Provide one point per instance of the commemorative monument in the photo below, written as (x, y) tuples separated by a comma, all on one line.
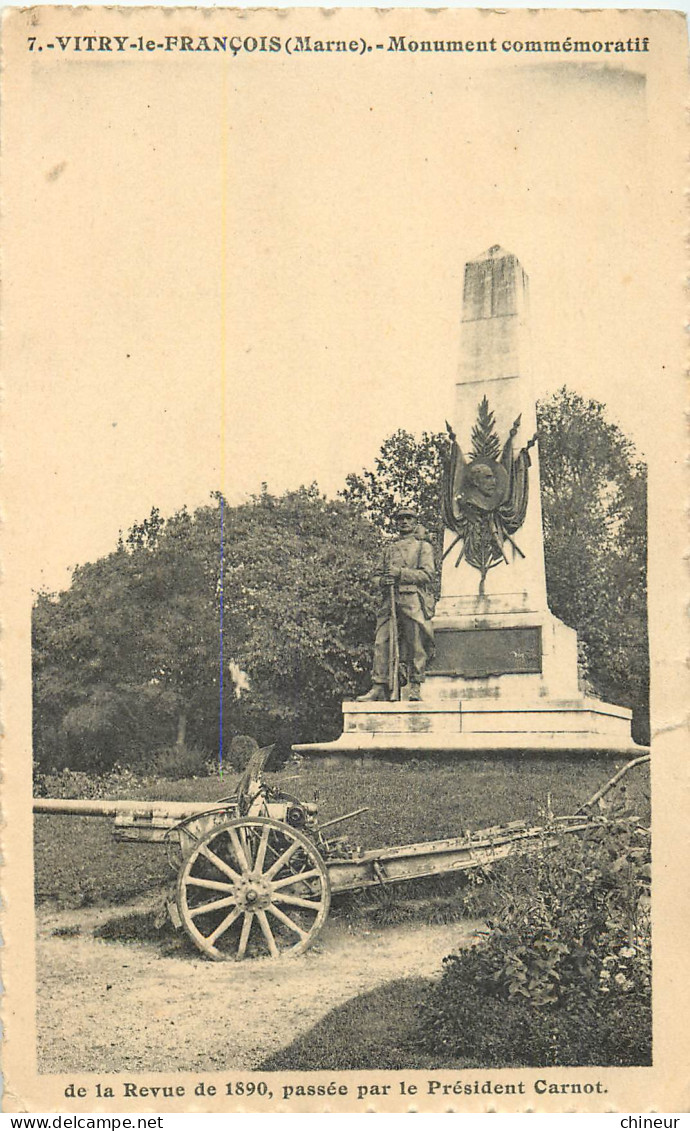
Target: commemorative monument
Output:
[(503, 672)]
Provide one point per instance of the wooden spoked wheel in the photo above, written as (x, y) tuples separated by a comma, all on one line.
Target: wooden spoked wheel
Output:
[(253, 887)]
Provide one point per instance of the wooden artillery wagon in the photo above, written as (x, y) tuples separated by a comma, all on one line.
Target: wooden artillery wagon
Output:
[(256, 870)]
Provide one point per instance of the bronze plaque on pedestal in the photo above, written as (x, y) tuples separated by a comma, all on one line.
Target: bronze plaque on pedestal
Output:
[(477, 652)]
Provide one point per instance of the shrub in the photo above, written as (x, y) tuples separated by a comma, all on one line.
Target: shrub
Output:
[(282, 752), (176, 762), (241, 748), (564, 977), (478, 1026), (119, 781)]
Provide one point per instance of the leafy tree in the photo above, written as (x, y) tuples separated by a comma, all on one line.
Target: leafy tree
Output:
[(300, 567), (127, 660), (407, 470), (594, 498), (121, 658)]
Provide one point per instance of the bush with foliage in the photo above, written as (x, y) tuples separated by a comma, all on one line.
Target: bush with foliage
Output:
[(176, 762), (127, 660), (119, 781), (594, 503), (564, 976)]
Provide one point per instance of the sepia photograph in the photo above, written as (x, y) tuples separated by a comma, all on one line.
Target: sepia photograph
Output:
[(345, 603)]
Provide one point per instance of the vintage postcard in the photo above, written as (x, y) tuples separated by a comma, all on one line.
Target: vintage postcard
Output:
[(344, 598)]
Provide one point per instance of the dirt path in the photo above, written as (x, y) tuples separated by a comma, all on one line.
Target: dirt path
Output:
[(119, 1007)]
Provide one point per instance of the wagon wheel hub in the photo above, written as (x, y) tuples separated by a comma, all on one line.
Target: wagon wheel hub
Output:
[(253, 887), (254, 895)]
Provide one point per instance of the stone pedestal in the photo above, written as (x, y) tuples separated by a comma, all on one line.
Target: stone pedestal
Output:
[(504, 676), (483, 723)]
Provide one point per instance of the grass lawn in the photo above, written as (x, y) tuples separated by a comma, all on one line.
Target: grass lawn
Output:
[(77, 862)]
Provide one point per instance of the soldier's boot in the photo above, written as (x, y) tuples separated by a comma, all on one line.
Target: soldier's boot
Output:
[(415, 693), (377, 694)]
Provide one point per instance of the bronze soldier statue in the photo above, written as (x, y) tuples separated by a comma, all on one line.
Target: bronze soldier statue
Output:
[(404, 635)]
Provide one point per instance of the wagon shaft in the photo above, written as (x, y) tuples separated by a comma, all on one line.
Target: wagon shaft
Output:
[(436, 857)]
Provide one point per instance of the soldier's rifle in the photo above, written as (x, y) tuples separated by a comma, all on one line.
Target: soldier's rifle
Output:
[(393, 641)]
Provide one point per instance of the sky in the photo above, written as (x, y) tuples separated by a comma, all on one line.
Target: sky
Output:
[(245, 275)]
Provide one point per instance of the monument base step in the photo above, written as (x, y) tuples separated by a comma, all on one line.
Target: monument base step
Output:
[(582, 714), (473, 727), (360, 747)]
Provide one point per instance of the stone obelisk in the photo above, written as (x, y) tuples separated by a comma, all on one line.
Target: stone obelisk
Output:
[(504, 676), (497, 624), (495, 364)]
